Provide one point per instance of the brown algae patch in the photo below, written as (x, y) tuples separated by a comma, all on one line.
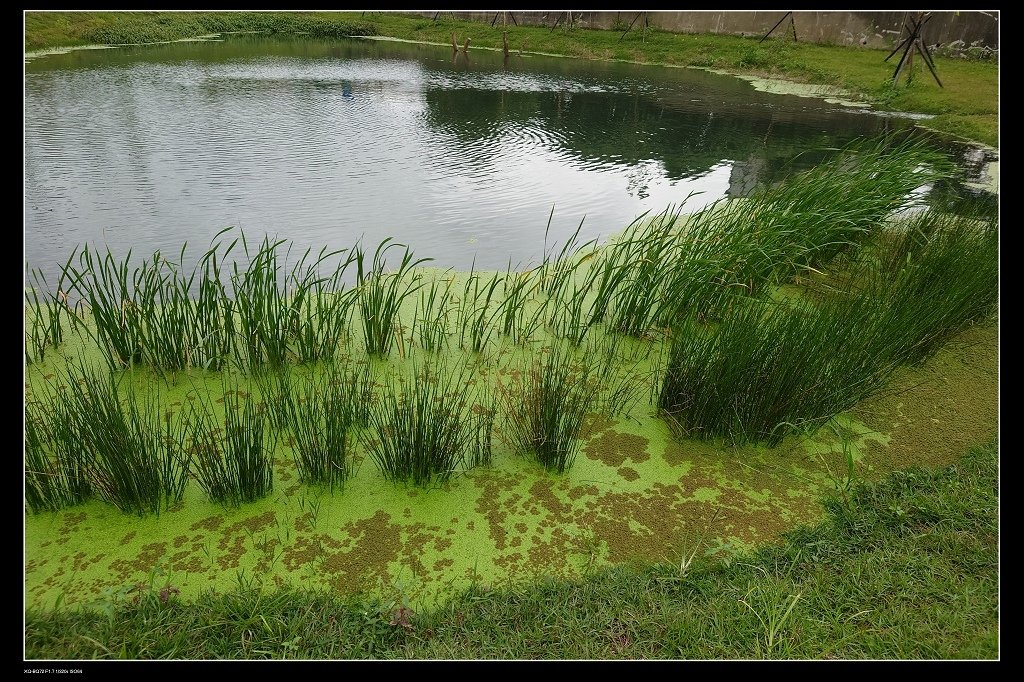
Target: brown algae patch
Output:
[(628, 473), (615, 448), (936, 412), (594, 424), (370, 546)]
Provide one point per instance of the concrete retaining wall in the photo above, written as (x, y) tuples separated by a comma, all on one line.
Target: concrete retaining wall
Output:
[(869, 29)]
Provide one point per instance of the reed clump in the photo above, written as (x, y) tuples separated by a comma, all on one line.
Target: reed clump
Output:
[(423, 425), (232, 452), (545, 404), (770, 367), (116, 444), (323, 412)]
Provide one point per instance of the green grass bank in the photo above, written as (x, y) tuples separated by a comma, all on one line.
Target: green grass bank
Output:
[(967, 106), (905, 568)]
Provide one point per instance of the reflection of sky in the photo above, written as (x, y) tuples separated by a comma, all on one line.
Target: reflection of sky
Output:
[(540, 177), (149, 155), (153, 156), (523, 170)]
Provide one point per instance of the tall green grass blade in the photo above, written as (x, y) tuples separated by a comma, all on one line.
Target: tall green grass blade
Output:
[(423, 426), (545, 407), (232, 454)]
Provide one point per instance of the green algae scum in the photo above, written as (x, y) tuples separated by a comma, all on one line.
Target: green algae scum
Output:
[(367, 423)]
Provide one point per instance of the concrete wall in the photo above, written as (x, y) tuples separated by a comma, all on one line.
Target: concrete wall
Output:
[(870, 29)]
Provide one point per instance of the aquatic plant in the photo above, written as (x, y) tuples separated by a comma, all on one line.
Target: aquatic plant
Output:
[(57, 467), (213, 329), (105, 286), (561, 309), (359, 381), (43, 483), (664, 268), (170, 321), (146, 313), (835, 206), (380, 294), (771, 367), (940, 274), (555, 268), (475, 316), (422, 423), (130, 449), (430, 319), (648, 270), (484, 410), (274, 386), (619, 371), (266, 314), (321, 412), (775, 367), (45, 313), (545, 407), (232, 455), (325, 310), (518, 287)]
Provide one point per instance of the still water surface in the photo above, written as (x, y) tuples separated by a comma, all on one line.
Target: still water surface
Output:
[(328, 142)]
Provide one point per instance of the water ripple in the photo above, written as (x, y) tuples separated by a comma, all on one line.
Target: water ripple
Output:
[(327, 145)]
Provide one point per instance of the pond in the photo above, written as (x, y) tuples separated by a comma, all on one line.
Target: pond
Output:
[(325, 142)]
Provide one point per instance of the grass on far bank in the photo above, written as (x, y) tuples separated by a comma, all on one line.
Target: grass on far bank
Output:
[(966, 106), (906, 568)]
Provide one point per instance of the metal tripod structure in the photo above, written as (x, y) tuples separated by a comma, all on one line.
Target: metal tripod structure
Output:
[(503, 18), (570, 20), (792, 23), (911, 43), (647, 23)]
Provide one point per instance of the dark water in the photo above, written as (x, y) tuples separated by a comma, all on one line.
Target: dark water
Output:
[(327, 142)]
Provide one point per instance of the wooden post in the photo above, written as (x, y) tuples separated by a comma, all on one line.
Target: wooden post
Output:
[(455, 45), (504, 41), (465, 46)]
